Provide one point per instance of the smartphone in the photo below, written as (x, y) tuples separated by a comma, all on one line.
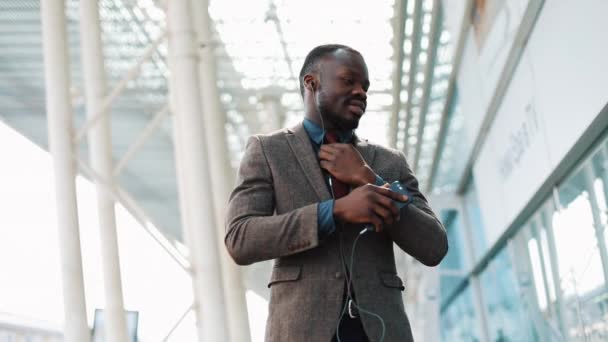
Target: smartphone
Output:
[(398, 188)]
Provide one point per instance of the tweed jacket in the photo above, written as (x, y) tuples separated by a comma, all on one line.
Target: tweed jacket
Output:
[(272, 214)]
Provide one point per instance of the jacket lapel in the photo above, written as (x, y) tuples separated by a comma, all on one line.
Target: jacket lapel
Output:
[(367, 151), (299, 142)]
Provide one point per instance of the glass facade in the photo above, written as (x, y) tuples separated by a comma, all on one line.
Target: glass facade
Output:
[(548, 281), (456, 145), (504, 305), (452, 268), (473, 212), (579, 262), (458, 321)]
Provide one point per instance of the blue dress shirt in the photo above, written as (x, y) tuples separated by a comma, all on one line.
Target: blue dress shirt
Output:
[(325, 210)]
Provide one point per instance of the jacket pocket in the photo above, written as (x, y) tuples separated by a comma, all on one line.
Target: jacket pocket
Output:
[(283, 274), (391, 280)]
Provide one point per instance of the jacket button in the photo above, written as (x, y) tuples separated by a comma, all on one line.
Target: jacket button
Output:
[(338, 275)]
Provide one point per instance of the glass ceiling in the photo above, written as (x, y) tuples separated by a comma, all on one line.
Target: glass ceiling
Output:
[(266, 42), (263, 45), (260, 46)]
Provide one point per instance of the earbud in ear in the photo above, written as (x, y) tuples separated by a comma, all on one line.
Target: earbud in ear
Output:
[(312, 85)]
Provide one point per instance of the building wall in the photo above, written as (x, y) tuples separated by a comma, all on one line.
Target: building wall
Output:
[(553, 97), (555, 94), (535, 208)]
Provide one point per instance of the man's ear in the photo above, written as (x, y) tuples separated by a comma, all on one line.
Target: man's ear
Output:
[(310, 82)]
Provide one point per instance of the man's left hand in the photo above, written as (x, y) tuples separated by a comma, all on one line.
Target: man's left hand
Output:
[(346, 164)]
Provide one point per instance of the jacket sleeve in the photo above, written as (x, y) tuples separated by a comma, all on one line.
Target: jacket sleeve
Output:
[(253, 232), (418, 233)]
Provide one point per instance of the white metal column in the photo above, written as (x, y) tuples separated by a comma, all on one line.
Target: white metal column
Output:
[(198, 217), (59, 112), (560, 306), (597, 218), (429, 294), (271, 118), (222, 174), (100, 151)]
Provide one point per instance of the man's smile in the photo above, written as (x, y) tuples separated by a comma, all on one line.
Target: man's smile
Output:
[(357, 106)]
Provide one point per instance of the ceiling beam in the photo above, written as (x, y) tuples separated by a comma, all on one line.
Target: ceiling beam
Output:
[(411, 84), (443, 126), (399, 38), (429, 68)]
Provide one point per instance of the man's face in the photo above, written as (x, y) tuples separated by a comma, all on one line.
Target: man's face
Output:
[(342, 94)]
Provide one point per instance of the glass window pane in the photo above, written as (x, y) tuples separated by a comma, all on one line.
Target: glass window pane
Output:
[(507, 319), (547, 262), (579, 261), (539, 281), (600, 184), (471, 204), (452, 267), (458, 320)]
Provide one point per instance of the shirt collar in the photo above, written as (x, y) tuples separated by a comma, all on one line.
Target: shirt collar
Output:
[(316, 133)]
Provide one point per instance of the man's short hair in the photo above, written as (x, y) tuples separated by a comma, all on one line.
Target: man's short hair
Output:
[(313, 57)]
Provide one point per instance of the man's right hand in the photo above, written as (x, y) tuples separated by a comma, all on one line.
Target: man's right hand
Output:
[(369, 204)]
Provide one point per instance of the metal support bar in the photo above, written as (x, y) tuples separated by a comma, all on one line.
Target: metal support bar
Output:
[(411, 84), (100, 154), (141, 139), (398, 39), (534, 233), (271, 14), (221, 172), (179, 321), (597, 220), (429, 71), (547, 221), (133, 18), (431, 309), (194, 181), (59, 113), (131, 75), (522, 262), (122, 197), (271, 116)]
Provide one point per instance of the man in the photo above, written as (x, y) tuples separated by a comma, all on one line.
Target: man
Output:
[(302, 199)]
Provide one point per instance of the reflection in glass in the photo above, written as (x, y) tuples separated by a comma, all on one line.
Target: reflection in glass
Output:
[(458, 321), (579, 262), (540, 279), (451, 164), (548, 305), (452, 266), (471, 205), (507, 319)]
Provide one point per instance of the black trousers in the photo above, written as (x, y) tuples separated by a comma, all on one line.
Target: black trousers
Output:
[(351, 330)]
